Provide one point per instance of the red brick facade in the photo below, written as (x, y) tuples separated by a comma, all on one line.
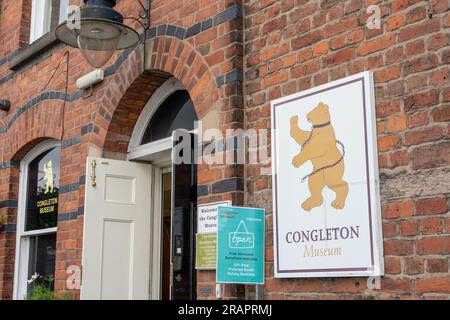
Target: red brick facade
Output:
[(235, 56), (295, 45)]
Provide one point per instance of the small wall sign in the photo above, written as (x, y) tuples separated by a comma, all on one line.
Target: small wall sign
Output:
[(207, 216), (240, 245), (205, 258), (327, 219)]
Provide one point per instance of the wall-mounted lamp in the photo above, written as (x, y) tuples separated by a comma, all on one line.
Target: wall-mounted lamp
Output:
[(5, 105), (98, 30)]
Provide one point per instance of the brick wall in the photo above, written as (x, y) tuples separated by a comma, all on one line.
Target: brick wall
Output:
[(197, 41), (279, 47), (293, 45)]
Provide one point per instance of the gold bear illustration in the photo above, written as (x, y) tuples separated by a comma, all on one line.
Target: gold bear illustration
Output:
[(49, 178), (319, 147)]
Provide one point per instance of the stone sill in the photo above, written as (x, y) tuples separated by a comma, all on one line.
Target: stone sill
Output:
[(29, 53)]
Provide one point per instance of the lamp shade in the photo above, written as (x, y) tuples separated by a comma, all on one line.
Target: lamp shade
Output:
[(98, 41), (98, 31)]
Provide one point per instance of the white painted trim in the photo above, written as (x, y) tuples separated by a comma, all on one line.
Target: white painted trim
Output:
[(156, 261), (150, 148), (39, 232), (159, 96), (22, 240)]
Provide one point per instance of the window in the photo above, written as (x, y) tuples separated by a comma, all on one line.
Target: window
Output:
[(176, 112), (37, 217), (45, 16), (43, 189)]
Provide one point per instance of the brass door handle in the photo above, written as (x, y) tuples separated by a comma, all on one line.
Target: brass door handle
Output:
[(93, 176)]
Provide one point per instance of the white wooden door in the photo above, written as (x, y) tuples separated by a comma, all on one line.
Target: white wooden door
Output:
[(116, 244)]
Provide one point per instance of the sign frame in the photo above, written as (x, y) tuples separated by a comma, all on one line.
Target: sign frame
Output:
[(262, 258), (373, 185)]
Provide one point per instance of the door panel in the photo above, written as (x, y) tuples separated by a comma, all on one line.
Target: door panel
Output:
[(119, 237), (184, 204), (116, 243)]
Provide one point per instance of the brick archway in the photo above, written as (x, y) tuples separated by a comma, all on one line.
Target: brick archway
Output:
[(130, 88), (34, 126)]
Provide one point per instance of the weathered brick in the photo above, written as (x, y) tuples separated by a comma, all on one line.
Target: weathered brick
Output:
[(275, 24), (441, 114), (424, 135), (424, 99), (276, 78), (414, 265), (430, 225), (439, 77), (306, 40), (431, 156), (389, 142), (425, 62), (415, 48), (289, 60), (339, 57), (409, 227), (390, 229), (433, 245), (355, 36), (387, 74), (277, 51), (437, 265), (398, 247), (395, 285), (398, 158), (417, 119), (398, 5), (320, 48), (398, 209), (386, 108), (376, 44), (435, 284), (431, 206), (395, 22), (437, 41), (418, 30), (392, 265), (340, 26)]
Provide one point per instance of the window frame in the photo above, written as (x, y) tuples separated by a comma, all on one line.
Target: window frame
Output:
[(48, 13), (21, 263), (153, 150), (159, 96), (47, 41), (41, 19)]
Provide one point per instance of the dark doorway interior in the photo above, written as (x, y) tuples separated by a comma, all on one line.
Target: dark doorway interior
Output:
[(166, 211), (184, 212)]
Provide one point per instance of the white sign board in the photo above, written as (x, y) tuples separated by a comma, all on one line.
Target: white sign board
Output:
[(327, 219), (207, 216)]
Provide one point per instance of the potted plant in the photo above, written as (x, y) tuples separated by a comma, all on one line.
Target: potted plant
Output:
[(41, 288), (2, 223)]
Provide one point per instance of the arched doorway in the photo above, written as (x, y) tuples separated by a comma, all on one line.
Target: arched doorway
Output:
[(145, 208), (170, 108)]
